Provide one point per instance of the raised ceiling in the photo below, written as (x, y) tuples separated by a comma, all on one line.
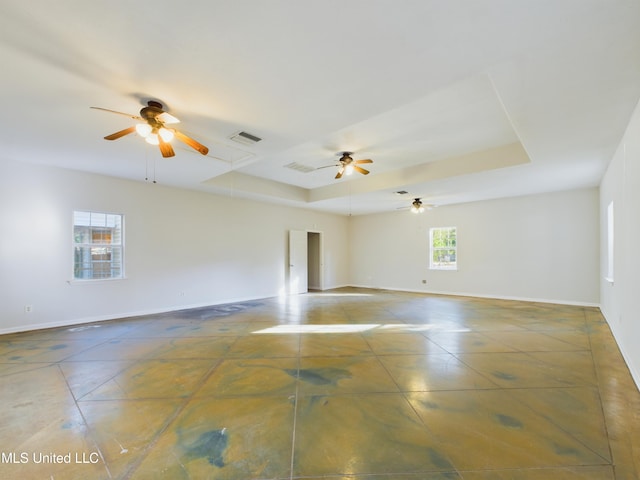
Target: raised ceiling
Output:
[(454, 101)]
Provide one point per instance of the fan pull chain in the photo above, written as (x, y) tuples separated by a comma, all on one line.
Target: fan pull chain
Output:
[(146, 169)]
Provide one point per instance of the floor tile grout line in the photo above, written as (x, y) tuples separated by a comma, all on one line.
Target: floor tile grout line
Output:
[(486, 377), (99, 344), (559, 427), (406, 399), (36, 366), (64, 359), (130, 364), (524, 353), (295, 410), (598, 385), (188, 399), (84, 419)]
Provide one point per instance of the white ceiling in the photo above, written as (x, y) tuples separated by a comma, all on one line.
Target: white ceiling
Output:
[(454, 101)]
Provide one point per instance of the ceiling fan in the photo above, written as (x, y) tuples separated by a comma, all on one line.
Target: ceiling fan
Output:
[(418, 207), (153, 129), (348, 165)]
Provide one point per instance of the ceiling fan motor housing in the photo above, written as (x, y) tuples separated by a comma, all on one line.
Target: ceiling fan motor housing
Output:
[(346, 158), (150, 113)]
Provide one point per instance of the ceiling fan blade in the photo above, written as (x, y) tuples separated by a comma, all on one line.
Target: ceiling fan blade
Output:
[(167, 118), (191, 142), (165, 148), (121, 133), (135, 117), (361, 170), (364, 161), (340, 172)]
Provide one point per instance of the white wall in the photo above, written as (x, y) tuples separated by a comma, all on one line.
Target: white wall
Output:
[(183, 248), (540, 247), (620, 300), (186, 248)]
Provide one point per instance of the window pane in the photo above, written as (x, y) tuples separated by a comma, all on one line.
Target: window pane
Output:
[(115, 224), (81, 234), (82, 218), (98, 219), (444, 257), (101, 235)]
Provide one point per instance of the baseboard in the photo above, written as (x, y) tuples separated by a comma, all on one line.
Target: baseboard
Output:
[(335, 287), (484, 295), (139, 313), (120, 315), (65, 323), (635, 374)]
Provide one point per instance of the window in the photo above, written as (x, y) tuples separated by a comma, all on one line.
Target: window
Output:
[(98, 243), (443, 254)]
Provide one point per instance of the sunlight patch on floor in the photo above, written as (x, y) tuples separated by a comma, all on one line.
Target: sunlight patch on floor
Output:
[(344, 328)]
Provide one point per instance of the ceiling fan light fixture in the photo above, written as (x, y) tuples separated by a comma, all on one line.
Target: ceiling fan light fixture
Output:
[(165, 134), (152, 139), (143, 129), (348, 170)]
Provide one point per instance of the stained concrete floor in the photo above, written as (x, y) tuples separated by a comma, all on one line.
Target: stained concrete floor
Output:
[(344, 384)]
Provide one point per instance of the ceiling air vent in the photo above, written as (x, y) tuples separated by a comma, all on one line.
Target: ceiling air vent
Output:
[(245, 138), (299, 167), (401, 192)]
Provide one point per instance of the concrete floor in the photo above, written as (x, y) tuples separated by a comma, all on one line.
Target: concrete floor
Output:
[(344, 384)]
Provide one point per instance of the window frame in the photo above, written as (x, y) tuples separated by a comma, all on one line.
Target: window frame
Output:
[(91, 244), (432, 249)]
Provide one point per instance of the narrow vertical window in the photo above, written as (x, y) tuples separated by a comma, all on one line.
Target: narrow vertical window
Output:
[(609, 276), (98, 246), (443, 248)]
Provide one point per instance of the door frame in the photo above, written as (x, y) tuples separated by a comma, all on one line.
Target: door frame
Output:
[(319, 260)]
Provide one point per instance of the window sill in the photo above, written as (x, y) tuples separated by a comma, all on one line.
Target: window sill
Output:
[(90, 281)]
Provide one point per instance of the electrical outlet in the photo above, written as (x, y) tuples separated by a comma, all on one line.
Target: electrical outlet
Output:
[(28, 308)]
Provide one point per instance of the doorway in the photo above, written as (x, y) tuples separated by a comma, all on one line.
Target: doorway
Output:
[(305, 261), (314, 263)]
